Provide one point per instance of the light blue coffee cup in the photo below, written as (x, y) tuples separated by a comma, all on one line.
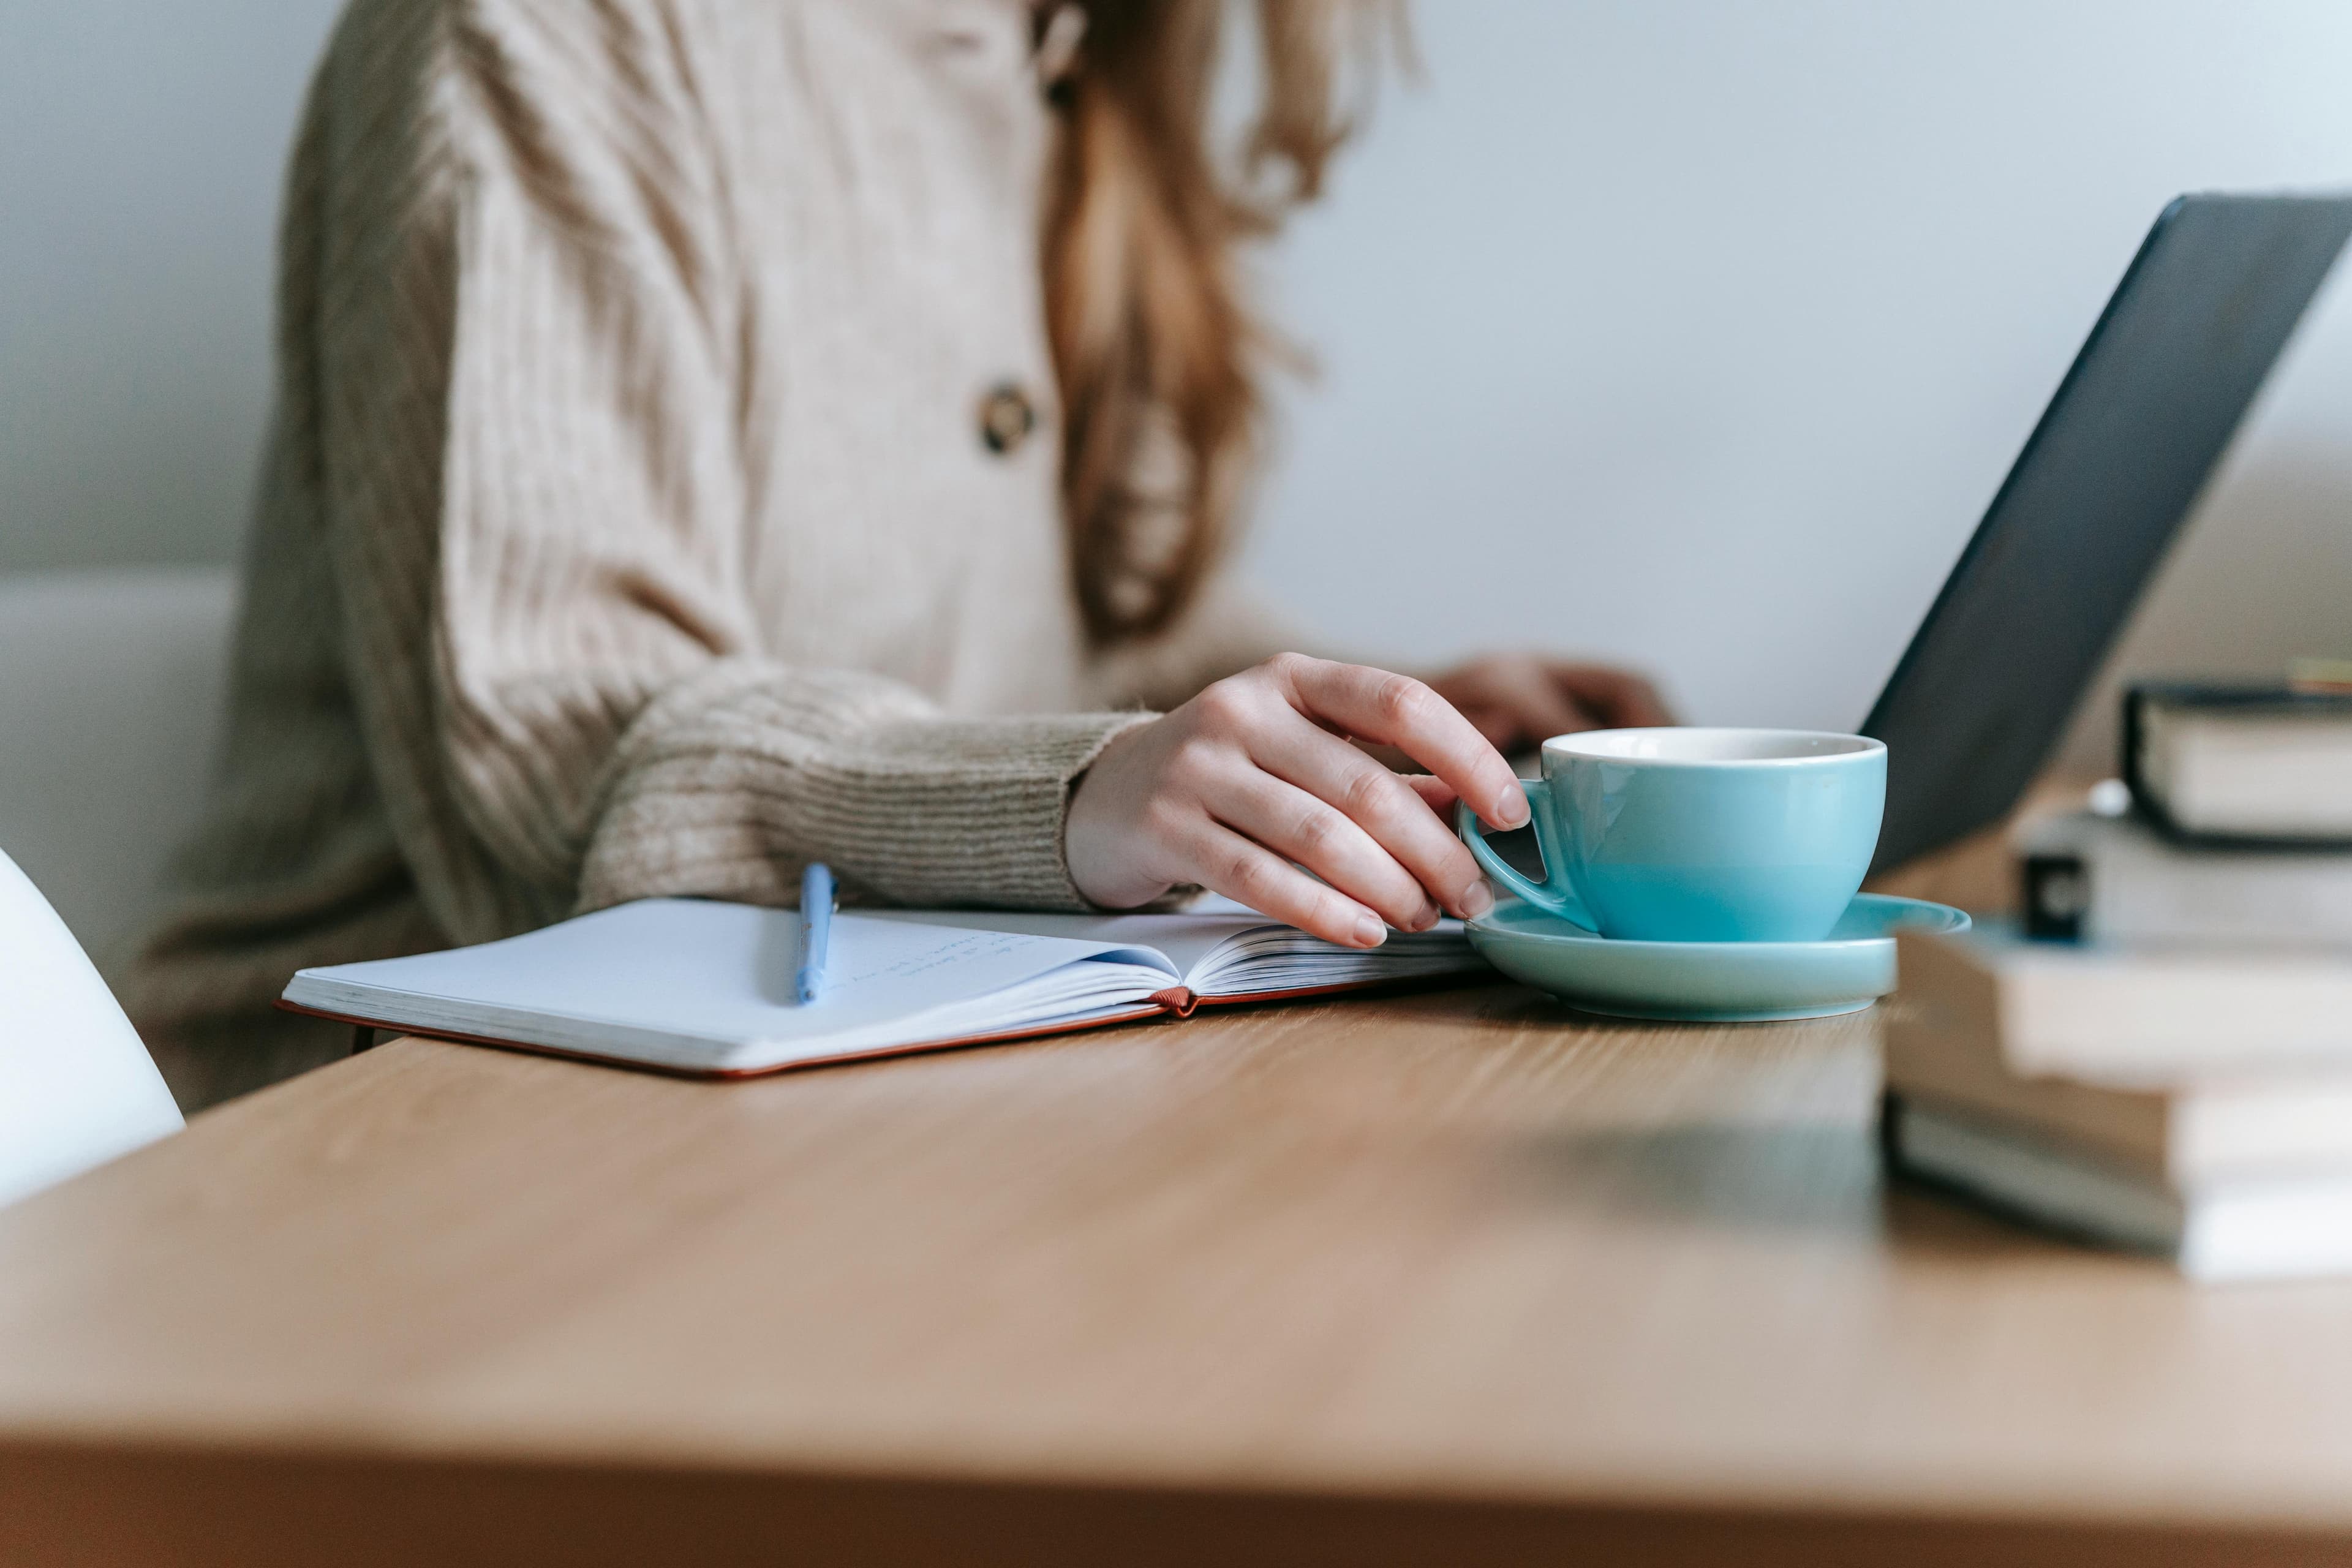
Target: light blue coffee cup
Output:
[(1698, 834)]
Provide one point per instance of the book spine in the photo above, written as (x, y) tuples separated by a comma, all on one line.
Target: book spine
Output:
[(2130, 734)]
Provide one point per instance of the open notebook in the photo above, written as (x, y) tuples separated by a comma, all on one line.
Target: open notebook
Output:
[(700, 987)]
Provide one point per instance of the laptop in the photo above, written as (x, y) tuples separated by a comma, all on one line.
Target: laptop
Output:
[(2119, 458)]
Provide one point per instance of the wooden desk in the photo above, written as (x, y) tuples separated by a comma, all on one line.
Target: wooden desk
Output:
[(1443, 1279)]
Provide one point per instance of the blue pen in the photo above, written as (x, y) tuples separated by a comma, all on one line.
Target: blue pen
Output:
[(816, 928)]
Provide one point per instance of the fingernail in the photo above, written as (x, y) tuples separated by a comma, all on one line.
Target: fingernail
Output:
[(1370, 932), (1429, 916), (1513, 812), (1475, 901)]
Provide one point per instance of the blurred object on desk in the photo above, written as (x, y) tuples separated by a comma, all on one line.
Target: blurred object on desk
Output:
[(2088, 877), (1979, 874), (2059, 1008), (2193, 1103), (2162, 1058), (2219, 1233)]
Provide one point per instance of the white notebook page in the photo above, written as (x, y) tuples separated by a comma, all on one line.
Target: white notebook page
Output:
[(1222, 948), (691, 982)]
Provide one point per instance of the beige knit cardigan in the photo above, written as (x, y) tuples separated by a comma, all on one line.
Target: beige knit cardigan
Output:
[(627, 527)]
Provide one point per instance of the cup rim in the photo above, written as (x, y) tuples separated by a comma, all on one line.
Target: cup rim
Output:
[(1851, 747)]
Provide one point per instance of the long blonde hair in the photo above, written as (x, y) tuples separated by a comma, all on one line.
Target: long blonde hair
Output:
[(1156, 350)]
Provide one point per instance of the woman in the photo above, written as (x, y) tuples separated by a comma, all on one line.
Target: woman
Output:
[(716, 434)]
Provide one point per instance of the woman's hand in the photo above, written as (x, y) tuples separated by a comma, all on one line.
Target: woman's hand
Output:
[(1518, 700), (1256, 772)]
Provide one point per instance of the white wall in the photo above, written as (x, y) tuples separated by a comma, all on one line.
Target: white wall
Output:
[(1701, 334), (140, 143), (1695, 333)]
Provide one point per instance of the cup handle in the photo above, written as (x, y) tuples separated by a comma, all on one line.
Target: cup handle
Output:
[(1542, 895)]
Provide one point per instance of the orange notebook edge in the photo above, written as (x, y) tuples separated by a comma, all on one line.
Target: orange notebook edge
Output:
[(1175, 1001), (1026, 1032)]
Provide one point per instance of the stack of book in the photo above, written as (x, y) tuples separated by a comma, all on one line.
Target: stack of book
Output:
[(2159, 1054)]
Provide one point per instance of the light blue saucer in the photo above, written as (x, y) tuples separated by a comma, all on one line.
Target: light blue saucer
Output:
[(1710, 982)]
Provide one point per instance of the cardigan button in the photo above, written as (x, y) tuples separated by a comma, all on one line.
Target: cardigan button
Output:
[(1006, 418)]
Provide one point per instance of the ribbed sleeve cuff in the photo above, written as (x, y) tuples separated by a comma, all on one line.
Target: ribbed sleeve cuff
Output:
[(981, 818), (729, 785)]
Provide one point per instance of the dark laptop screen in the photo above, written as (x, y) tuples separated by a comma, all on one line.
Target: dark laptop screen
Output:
[(2063, 553)]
